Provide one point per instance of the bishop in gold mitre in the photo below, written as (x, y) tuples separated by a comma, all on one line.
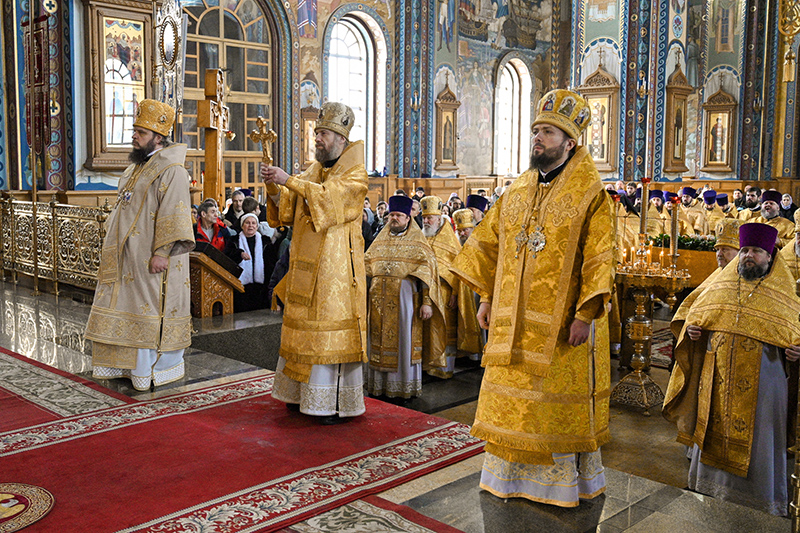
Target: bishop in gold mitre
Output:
[(323, 337), (542, 261), (728, 393), (140, 324)]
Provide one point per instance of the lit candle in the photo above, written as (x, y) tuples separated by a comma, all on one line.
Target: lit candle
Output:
[(661, 259), (649, 256), (633, 257), (624, 256)]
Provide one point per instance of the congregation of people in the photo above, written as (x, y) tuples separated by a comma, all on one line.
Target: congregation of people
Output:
[(522, 280)]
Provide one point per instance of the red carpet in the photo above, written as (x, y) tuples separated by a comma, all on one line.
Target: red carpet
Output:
[(33, 393), (225, 455)]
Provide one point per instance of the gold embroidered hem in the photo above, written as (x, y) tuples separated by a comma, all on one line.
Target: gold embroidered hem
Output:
[(133, 308), (324, 290), (712, 393), (389, 260), (112, 356)]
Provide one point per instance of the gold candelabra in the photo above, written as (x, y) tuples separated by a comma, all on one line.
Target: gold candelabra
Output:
[(646, 276)]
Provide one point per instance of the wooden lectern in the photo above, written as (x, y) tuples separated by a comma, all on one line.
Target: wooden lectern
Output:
[(211, 283)]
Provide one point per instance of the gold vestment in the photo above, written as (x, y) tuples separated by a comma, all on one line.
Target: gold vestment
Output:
[(793, 262), (152, 215), (784, 226), (713, 388), (324, 290), (463, 331), (389, 260), (539, 394)]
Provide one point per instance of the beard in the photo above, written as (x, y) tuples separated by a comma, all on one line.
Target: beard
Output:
[(750, 203), (797, 249), (548, 156), (753, 271), (397, 228), (139, 155), (768, 214)]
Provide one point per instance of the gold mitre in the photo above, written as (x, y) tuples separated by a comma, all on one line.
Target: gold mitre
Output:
[(431, 205), (727, 232), (464, 219), (565, 110), (155, 116), (336, 117)]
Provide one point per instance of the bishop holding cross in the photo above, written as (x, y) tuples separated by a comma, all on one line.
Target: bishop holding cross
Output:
[(323, 337)]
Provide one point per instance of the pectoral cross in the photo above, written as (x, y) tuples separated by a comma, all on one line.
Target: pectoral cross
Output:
[(214, 116), (266, 138)]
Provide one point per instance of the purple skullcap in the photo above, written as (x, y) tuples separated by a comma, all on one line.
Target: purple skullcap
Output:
[(771, 196), (655, 193), (722, 200), (758, 235), (478, 202), (669, 196), (400, 204), (709, 197), (688, 190)]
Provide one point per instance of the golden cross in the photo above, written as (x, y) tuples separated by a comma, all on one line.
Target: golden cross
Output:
[(265, 137)]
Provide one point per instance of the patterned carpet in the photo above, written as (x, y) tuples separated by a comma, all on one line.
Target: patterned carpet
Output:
[(661, 345), (225, 458)]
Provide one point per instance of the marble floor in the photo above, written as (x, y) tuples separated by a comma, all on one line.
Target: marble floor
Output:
[(646, 470)]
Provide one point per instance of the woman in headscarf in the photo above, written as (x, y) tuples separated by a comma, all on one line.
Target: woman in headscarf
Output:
[(253, 274), (787, 207)]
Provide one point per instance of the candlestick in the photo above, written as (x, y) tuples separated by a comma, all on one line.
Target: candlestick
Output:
[(649, 257)]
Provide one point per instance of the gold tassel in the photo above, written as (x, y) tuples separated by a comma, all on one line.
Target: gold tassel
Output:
[(789, 61), (789, 66)]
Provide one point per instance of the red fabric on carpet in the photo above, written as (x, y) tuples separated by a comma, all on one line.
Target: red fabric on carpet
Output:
[(227, 453)]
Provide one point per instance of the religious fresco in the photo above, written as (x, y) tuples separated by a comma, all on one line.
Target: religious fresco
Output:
[(476, 93), (506, 23), (601, 10)]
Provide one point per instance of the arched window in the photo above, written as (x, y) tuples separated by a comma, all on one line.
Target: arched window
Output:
[(237, 38), (512, 118), (356, 76)]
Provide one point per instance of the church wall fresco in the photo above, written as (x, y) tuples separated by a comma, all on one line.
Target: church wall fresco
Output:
[(486, 31)]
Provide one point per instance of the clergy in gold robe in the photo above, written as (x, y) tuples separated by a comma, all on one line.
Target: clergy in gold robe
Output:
[(140, 324), (462, 331), (728, 392), (543, 262), (323, 337), (791, 254), (404, 294), (752, 205), (771, 215), (726, 248), (671, 203), (691, 209)]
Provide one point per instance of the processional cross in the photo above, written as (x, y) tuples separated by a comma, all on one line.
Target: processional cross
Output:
[(266, 138), (214, 116)]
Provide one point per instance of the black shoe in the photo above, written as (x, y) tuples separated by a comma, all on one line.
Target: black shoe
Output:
[(295, 407), (332, 420)]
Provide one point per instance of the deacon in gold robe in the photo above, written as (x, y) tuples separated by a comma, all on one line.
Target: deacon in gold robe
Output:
[(403, 292), (543, 262), (771, 216), (323, 337), (728, 393), (140, 324), (462, 331)]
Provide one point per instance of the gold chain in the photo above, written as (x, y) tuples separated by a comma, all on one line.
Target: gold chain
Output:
[(739, 295)]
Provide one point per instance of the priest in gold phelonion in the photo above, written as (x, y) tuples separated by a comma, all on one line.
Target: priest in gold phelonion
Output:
[(728, 393), (542, 261)]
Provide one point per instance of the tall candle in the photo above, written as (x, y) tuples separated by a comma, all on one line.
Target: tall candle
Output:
[(661, 259)]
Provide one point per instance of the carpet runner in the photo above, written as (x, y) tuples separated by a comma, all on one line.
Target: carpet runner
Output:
[(371, 514), (34, 393), (225, 458), (661, 345)]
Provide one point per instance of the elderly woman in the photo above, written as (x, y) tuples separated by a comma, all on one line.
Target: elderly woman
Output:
[(254, 273)]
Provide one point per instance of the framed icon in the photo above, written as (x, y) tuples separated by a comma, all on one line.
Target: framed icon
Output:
[(717, 132), (601, 91)]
